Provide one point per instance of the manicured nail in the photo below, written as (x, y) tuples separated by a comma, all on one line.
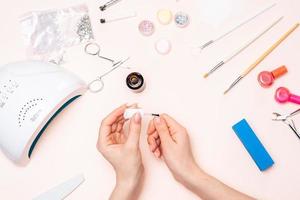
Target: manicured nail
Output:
[(137, 117), (157, 142), (157, 120), (153, 148), (135, 105), (128, 105), (152, 144), (132, 105), (157, 153)]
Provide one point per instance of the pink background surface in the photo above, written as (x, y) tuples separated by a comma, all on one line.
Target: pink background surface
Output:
[(175, 86)]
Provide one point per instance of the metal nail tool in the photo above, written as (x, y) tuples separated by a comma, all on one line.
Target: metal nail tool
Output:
[(108, 4), (98, 84), (287, 119)]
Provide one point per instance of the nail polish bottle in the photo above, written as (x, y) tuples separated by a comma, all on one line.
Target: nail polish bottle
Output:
[(266, 78)]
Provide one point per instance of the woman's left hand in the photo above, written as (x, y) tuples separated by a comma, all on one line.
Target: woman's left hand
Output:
[(122, 151)]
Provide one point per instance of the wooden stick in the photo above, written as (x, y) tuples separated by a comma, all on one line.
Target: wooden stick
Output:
[(262, 57)]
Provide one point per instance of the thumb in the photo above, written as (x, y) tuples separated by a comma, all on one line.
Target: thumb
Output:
[(134, 131), (162, 130)]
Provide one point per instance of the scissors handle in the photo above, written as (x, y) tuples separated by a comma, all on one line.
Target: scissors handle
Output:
[(92, 48), (96, 85)]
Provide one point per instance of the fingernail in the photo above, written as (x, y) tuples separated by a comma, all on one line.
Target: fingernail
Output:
[(157, 154), (153, 148), (132, 105), (152, 145), (127, 104), (157, 120), (157, 142), (137, 117), (135, 105)]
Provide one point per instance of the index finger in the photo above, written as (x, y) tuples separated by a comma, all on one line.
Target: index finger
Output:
[(171, 122), (107, 122), (151, 128), (114, 115)]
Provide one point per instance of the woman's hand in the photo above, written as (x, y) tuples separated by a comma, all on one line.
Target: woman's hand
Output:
[(169, 139), (122, 151)]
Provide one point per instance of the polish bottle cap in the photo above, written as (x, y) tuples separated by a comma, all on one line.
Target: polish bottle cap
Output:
[(279, 71)]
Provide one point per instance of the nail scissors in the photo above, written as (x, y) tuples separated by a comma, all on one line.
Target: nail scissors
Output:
[(97, 85), (287, 119), (94, 49)]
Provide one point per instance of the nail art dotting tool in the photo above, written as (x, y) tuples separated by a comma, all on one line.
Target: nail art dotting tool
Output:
[(236, 27), (127, 16), (241, 49), (262, 57), (109, 4)]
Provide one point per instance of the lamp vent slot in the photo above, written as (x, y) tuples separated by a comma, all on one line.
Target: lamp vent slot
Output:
[(26, 108)]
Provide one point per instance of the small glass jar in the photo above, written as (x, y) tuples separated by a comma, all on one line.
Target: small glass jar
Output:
[(135, 82)]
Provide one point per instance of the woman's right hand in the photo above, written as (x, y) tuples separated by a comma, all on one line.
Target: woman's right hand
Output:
[(167, 138)]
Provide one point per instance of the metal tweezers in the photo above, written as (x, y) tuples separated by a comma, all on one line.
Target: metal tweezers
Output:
[(287, 119)]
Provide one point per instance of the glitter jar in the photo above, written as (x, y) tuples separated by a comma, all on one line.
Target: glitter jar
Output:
[(135, 82)]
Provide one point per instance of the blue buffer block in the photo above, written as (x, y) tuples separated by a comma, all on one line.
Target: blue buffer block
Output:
[(253, 145)]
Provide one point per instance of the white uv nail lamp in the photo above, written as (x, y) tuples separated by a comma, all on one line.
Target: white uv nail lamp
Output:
[(32, 93)]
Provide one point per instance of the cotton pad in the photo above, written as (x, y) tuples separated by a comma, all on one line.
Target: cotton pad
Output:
[(131, 111)]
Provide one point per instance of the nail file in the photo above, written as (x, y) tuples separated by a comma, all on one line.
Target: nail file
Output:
[(63, 190), (253, 145)]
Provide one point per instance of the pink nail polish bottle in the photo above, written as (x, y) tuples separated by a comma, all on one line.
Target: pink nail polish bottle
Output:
[(266, 78), (283, 95)]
